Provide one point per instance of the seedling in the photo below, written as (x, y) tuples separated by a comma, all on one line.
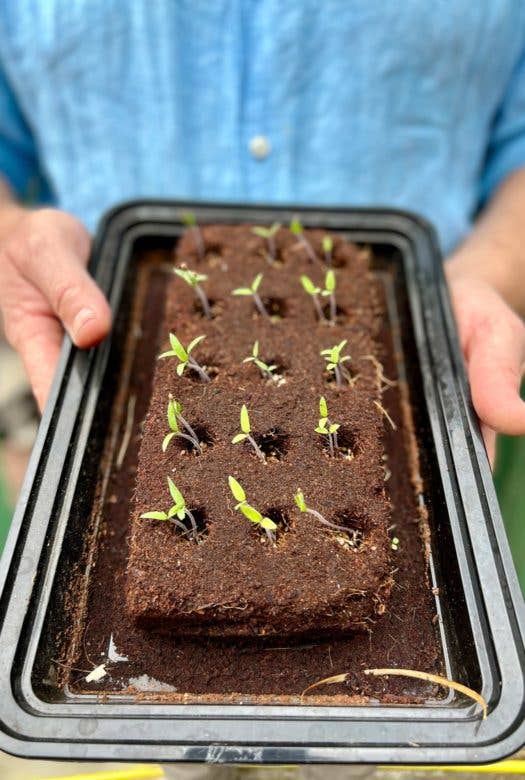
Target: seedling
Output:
[(190, 221), (264, 368), (335, 362), (176, 514), (193, 279), (186, 360), (327, 428), (253, 515), (175, 420), (327, 245), (246, 434), (303, 507), (329, 292), (253, 290), (394, 544), (297, 229), (269, 235), (314, 292)]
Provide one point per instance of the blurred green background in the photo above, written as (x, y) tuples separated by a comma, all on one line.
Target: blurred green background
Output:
[(510, 484)]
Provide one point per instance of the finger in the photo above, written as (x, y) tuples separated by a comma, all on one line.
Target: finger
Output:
[(489, 437), (495, 358), (39, 347), (71, 292)]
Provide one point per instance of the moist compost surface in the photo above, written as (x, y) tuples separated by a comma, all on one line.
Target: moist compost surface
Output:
[(396, 615), (235, 580)]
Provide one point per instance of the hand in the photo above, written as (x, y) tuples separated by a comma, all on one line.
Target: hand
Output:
[(492, 338), (44, 287)]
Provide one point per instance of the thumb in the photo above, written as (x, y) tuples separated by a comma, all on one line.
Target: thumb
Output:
[(58, 270), (495, 358)]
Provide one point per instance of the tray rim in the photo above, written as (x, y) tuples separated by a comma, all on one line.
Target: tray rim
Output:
[(468, 457)]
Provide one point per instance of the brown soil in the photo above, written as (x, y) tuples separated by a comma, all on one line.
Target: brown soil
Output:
[(235, 581), (207, 669)]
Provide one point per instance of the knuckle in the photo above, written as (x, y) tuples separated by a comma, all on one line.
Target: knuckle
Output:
[(66, 295)]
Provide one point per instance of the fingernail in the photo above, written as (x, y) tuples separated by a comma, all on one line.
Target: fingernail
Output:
[(81, 319)]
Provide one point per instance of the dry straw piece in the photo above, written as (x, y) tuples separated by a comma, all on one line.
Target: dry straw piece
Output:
[(433, 678)]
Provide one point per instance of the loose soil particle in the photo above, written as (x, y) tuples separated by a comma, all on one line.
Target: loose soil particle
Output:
[(253, 669)]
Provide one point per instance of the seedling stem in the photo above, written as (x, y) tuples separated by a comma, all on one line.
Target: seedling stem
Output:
[(176, 514), (174, 418), (326, 428), (250, 512), (264, 368), (335, 363), (303, 507), (297, 229), (190, 221)]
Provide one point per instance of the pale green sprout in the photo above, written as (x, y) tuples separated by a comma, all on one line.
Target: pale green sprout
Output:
[(253, 515), (253, 291), (335, 362), (193, 279), (303, 507), (186, 359), (190, 221), (268, 233), (329, 292), (176, 514), (327, 428), (394, 544), (297, 229), (314, 292), (264, 368), (327, 245), (246, 433), (174, 414)]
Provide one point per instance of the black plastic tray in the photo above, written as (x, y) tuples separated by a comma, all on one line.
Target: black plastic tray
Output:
[(481, 608)]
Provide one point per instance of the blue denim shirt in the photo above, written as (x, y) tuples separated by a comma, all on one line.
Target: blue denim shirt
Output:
[(411, 104)]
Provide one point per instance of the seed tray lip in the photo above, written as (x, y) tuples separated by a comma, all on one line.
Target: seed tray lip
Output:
[(90, 729)]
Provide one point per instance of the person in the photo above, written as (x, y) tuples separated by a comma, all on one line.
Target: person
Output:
[(413, 105)]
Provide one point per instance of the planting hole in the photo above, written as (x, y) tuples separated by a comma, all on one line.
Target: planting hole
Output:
[(216, 307), (280, 518), (211, 368), (341, 315), (352, 539), (203, 435), (201, 521), (347, 444), (273, 443), (276, 308)]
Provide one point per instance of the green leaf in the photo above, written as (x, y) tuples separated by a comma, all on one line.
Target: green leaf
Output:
[(264, 366), (255, 349), (245, 419), (309, 286), (180, 368), (295, 227), (262, 232), (154, 516), (342, 344), (236, 489), (242, 291), (172, 415), (327, 244), (268, 524), (334, 428), (239, 437), (329, 281), (167, 440), (323, 407), (193, 344), (189, 219), (251, 513), (299, 500), (170, 353), (274, 228), (176, 495), (319, 429), (186, 275), (250, 359), (331, 366), (257, 282), (178, 348)]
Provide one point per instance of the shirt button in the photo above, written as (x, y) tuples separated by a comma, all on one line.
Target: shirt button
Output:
[(259, 147)]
